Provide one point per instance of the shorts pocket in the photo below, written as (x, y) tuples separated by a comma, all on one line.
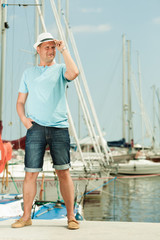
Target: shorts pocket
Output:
[(31, 127)]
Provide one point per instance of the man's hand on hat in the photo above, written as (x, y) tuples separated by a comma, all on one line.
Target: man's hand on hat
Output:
[(60, 45)]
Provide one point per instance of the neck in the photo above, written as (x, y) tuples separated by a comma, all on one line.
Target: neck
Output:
[(46, 63)]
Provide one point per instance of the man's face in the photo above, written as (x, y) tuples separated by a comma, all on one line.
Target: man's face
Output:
[(47, 51)]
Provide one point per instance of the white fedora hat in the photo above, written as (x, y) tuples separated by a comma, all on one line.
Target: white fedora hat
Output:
[(43, 37)]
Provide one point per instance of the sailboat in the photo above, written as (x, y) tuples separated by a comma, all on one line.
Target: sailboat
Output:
[(139, 166)]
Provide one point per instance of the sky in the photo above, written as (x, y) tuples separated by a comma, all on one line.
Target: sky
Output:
[(97, 27)]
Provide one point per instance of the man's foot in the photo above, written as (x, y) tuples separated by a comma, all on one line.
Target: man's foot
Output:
[(73, 224), (21, 223)]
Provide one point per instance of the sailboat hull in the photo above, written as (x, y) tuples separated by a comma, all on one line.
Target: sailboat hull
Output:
[(139, 167)]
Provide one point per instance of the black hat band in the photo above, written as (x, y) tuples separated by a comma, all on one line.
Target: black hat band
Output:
[(46, 39)]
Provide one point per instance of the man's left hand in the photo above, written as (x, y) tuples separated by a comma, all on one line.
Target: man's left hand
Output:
[(59, 44)]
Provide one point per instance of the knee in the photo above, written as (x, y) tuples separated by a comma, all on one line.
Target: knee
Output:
[(63, 175), (31, 176)]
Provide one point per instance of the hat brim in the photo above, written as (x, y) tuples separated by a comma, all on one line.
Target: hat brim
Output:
[(38, 43)]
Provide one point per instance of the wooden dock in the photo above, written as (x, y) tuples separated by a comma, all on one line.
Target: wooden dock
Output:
[(89, 230)]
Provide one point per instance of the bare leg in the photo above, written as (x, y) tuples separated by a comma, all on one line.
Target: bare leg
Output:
[(29, 193), (67, 191)]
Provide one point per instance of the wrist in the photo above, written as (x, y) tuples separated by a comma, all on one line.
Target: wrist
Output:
[(64, 48), (23, 119)]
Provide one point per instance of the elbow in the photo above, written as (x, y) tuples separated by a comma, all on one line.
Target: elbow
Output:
[(74, 75)]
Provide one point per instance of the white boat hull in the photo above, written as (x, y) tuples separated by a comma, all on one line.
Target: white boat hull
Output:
[(139, 167)]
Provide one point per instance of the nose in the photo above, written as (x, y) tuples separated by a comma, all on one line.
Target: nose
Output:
[(50, 50)]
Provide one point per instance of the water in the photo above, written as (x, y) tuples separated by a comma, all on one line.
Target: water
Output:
[(127, 199)]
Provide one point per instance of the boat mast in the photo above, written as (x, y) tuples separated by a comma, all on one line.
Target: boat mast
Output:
[(36, 32), (123, 90), (140, 95), (67, 18), (38, 28), (130, 133), (4, 25), (158, 97), (82, 74), (59, 36), (154, 112)]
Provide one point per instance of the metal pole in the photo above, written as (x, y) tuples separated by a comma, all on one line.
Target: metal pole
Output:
[(41, 17), (67, 18), (59, 36), (154, 112), (123, 91), (82, 100), (104, 146), (158, 92), (141, 103), (129, 96), (42, 9), (63, 37), (3, 55), (36, 32)]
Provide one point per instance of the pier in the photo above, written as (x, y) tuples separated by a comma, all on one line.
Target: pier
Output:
[(89, 230)]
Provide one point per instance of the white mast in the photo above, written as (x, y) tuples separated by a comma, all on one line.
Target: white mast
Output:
[(93, 136), (154, 112), (59, 13), (158, 97), (82, 74), (41, 16), (38, 28), (123, 91), (129, 96), (67, 18), (36, 32), (3, 55), (141, 103)]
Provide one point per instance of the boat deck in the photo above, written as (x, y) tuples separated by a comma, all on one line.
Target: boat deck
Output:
[(89, 230)]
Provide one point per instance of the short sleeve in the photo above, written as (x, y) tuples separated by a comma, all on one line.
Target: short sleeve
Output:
[(23, 86)]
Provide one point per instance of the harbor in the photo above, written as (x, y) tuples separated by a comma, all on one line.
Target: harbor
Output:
[(123, 198)]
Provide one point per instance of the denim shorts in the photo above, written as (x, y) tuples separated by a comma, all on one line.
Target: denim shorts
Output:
[(37, 138)]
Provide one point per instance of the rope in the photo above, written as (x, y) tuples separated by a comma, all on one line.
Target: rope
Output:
[(14, 183), (98, 187), (57, 186)]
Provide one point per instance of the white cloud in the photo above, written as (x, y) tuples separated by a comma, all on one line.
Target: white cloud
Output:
[(91, 10), (156, 20), (92, 28)]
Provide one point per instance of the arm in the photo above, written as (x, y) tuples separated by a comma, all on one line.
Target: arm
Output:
[(22, 97), (71, 68)]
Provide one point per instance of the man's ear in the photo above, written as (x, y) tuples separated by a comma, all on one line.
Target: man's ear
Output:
[(38, 49)]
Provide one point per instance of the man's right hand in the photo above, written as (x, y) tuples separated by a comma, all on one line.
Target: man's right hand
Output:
[(27, 122)]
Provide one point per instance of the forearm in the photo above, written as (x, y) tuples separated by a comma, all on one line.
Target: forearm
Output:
[(21, 111), (71, 68)]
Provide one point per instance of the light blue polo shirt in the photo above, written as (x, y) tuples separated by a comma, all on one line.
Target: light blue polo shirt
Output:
[(46, 101)]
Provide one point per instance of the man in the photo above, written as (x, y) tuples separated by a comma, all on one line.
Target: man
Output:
[(43, 87)]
